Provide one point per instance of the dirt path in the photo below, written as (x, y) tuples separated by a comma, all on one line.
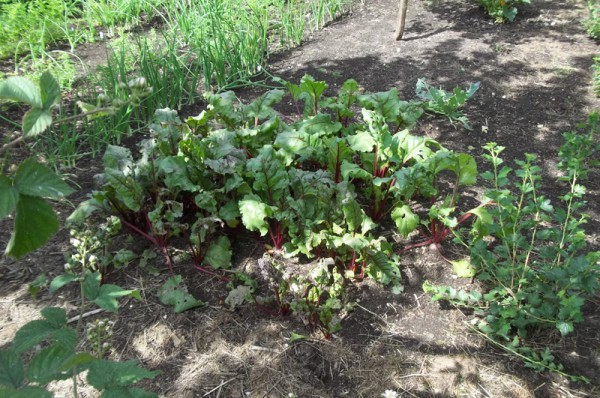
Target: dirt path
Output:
[(536, 83)]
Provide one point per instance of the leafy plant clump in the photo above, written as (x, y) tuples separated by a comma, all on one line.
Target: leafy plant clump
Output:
[(531, 255), (316, 184), (502, 10), (592, 23), (59, 360)]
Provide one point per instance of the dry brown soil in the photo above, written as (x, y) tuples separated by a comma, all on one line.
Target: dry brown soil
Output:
[(536, 83)]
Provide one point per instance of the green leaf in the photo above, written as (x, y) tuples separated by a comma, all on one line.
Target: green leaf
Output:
[(262, 107), (36, 121), (124, 392), (35, 223), (56, 316), (105, 374), (54, 326), (49, 90), (564, 327), (26, 392), (218, 254), (254, 213), (406, 221), (174, 293), (362, 141), (9, 196), (21, 89), (463, 268), (354, 214), (35, 179), (12, 373), (105, 296), (47, 365), (386, 103)]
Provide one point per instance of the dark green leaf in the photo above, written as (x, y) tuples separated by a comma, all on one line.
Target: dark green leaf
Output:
[(35, 223), (47, 365), (35, 179), (26, 392), (12, 373), (124, 392), (9, 196), (104, 374)]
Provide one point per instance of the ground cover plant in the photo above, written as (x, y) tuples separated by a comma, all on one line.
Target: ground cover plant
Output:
[(298, 204)]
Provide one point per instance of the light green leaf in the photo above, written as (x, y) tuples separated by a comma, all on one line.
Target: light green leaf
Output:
[(9, 196), (362, 141), (218, 254), (35, 179), (463, 268), (36, 121), (354, 215), (104, 374), (21, 89), (406, 221), (254, 213), (35, 223), (49, 90), (174, 293), (12, 373)]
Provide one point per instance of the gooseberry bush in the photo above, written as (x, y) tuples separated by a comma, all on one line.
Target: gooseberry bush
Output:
[(531, 255), (316, 185)]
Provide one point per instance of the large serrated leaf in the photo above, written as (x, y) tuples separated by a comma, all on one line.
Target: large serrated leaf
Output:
[(26, 392), (12, 373), (174, 293), (104, 374), (219, 253), (35, 332), (35, 223), (36, 121), (49, 90), (21, 89), (47, 365), (35, 179), (9, 196), (105, 296)]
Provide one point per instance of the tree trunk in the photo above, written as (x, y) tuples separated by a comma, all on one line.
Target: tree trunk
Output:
[(401, 19)]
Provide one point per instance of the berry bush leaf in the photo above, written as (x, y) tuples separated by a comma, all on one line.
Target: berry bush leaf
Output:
[(9, 196), (35, 179), (12, 373), (105, 374), (174, 293), (35, 223)]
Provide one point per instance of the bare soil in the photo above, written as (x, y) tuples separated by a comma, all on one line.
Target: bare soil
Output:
[(536, 83)]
